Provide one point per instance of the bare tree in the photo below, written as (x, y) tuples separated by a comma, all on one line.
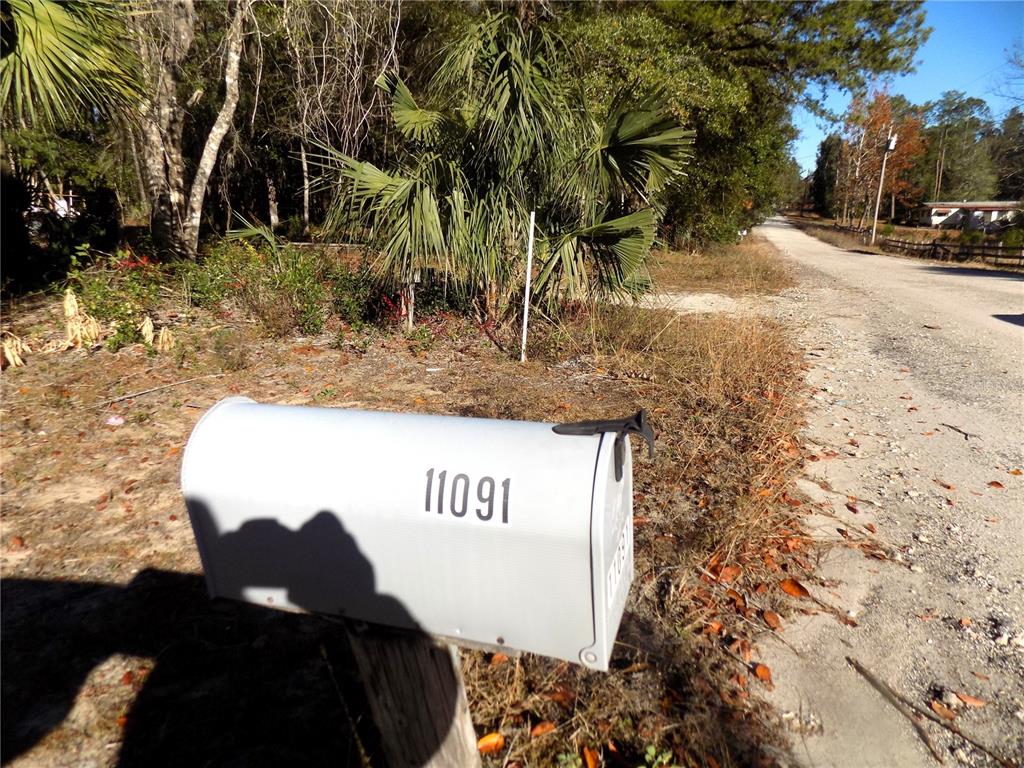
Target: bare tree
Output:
[(338, 49)]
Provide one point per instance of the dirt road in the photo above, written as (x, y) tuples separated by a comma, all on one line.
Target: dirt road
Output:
[(917, 425)]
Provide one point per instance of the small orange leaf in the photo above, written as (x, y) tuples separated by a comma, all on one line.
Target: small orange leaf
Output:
[(942, 710), (763, 673), (966, 621), (541, 728), (713, 628), (17, 542), (771, 618), (491, 743), (729, 573), (764, 492), (870, 527), (971, 701), (591, 757), (1016, 472), (995, 484), (498, 658), (794, 588), (561, 695)]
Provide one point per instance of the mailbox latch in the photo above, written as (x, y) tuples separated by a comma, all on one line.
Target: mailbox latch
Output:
[(637, 424)]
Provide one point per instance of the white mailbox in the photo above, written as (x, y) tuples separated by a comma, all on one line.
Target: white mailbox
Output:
[(511, 534)]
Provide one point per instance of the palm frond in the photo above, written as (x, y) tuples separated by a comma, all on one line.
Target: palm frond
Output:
[(642, 146), (66, 57), (614, 250), (413, 121)]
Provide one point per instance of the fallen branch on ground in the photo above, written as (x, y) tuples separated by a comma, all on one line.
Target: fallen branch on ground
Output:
[(113, 400), (902, 703)]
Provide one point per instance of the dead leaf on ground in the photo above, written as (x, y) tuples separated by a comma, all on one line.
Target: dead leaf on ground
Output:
[(942, 710), (853, 508), (561, 695), (17, 542), (870, 527), (498, 658), (541, 728), (739, 601), (971, 701), (995, 484), (966, 621), (763, 673), (794, 588), (1015, 472), (491, 743), (729, 573), (590, 756), (771, 618)]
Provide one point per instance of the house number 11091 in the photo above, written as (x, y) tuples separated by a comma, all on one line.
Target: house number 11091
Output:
[(455, 498)]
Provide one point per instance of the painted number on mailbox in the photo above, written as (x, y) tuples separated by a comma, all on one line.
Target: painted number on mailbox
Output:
[(455, 498)]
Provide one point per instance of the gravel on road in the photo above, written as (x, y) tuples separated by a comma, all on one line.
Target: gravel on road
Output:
[(916, 429)]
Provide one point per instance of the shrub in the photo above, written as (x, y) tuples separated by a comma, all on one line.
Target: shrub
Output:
[(1014, 238), (279, 285), (120, 289), (972, 236), (351, 294)]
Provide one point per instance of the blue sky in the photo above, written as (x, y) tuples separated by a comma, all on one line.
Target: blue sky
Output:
[(967, 51)]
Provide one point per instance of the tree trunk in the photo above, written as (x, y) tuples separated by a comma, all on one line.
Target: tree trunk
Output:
[(272, 213), (140, 177), (221, 125), (305, 188), (165, 34)]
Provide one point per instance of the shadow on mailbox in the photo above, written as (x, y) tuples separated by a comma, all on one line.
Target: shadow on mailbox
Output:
[(232, 684), (318, 568)]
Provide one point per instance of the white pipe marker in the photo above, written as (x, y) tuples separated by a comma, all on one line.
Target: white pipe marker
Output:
[(526, 292)]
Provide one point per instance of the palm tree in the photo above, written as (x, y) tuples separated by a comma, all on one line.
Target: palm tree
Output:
[(62, 58), (506, 134)]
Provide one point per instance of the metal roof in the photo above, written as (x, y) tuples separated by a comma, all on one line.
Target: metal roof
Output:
[(999, 205)]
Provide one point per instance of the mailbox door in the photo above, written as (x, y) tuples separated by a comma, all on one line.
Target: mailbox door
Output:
[(612, 552), (473, 529)]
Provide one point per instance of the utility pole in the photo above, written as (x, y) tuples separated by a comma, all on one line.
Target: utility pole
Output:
[(890, 145)]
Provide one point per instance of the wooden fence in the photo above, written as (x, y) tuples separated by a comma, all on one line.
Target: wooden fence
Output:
[(996, 255)]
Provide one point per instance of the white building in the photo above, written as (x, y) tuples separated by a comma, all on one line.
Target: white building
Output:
[(965, 214)]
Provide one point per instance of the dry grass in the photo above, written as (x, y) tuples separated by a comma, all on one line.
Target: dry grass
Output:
[(751, 266), (713, 537), (87, 502), (824, 231)]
